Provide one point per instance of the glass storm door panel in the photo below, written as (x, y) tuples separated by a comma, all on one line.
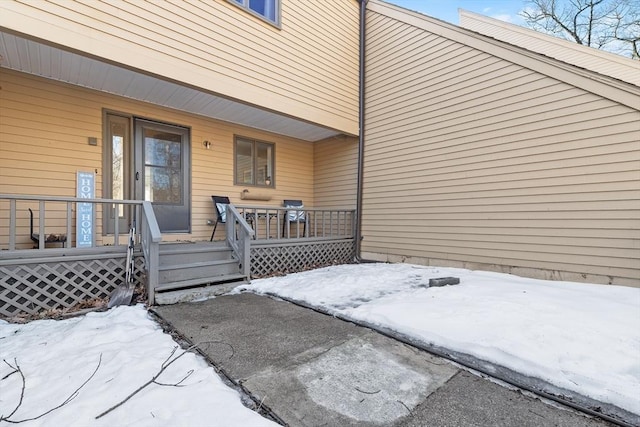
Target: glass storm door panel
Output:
[(162, 173), (118, 171)]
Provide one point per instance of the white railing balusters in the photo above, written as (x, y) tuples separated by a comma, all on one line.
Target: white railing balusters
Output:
[(320, 222)]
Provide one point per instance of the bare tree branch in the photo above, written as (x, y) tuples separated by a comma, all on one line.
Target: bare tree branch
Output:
[(612, 25), (168, 361), (17, 369), (179, 383), (72, 396)]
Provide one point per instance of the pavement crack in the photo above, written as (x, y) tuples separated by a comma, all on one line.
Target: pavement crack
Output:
[(535, 413), (407, 408), (314, 357), (208, 344), (367, 392)]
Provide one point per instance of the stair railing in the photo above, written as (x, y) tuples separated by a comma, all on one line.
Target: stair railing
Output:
[(239, 235), (150, 237)]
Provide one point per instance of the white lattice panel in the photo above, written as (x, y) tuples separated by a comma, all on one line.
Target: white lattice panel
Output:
[(32, 288), (267, 260)]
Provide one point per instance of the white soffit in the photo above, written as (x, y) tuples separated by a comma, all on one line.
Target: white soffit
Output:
[(42, 60)]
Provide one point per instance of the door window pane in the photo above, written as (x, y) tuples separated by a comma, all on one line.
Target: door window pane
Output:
[(162, 185), (162, 149), (163, 171)]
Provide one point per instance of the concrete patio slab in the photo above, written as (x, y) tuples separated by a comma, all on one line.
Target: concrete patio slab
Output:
[(313, 370)]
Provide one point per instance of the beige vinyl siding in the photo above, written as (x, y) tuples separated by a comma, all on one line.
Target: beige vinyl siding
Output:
[(307, 69), (44, 126), (597, 60), (336, 173), (472, 160)]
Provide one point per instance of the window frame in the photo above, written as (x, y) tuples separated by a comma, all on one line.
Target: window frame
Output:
[(109, 117), (244, 5), (254, 162)]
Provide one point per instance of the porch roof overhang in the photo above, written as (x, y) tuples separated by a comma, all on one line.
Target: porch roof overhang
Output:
[(41, 59)]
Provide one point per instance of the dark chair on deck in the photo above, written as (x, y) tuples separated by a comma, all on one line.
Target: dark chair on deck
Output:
[(51, 238), (220, 203), (294, 215)]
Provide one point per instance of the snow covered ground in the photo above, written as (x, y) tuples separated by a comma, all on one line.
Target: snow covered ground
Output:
[(125, 348), (581, 337)]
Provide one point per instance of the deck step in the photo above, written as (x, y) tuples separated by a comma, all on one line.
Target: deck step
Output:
[(191, 245), (192, 270), (196, 292), (183, 284), (170, 248), (197, 270), (181, 253)]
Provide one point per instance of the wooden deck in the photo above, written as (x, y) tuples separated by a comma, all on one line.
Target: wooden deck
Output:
[(35, 280)]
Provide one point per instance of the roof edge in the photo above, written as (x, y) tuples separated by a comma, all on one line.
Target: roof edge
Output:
[(585, 53), (600, 84)]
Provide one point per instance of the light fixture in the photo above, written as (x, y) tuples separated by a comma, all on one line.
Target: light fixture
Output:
[(206, 144)]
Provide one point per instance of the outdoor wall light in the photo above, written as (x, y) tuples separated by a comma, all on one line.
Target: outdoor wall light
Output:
[(206, 144)]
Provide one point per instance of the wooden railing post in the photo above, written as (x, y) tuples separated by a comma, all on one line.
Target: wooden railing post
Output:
[(241, 244), (150, 238), (41, 225), (12, 224), (67, 242)]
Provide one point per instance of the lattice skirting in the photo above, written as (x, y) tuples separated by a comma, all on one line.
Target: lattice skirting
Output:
[(294, 257), (30, 288)]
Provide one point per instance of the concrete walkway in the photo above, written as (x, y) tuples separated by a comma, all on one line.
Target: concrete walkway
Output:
[(315, 370)]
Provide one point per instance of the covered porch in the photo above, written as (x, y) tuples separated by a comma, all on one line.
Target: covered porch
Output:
[(39, 272), (149, 142)]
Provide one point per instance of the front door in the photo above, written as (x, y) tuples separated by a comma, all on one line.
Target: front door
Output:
[(161, 175), (154, 165)]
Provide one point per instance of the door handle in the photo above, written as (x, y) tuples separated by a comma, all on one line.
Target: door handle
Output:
[(137, 176)]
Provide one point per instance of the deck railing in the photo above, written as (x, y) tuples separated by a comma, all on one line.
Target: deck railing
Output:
[(281, 223), (99, 261), (239, 236), (55, 220), (265, 240)]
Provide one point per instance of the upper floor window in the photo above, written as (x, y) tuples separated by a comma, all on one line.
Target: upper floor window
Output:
[(266, 9), (254, 162)]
